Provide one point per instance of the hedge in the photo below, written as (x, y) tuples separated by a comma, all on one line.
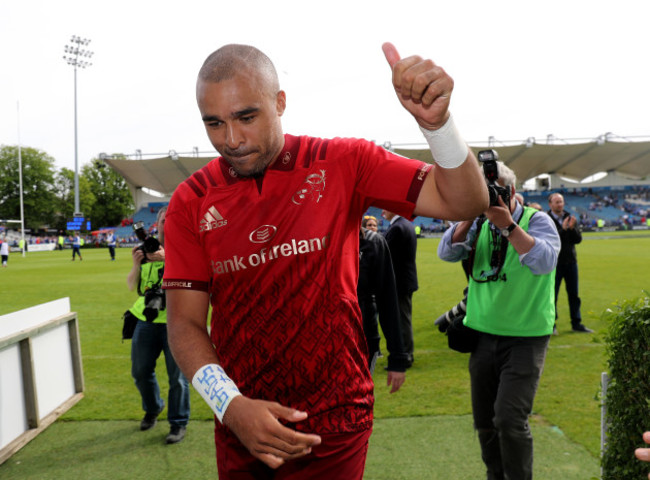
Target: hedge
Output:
[(628, 395)]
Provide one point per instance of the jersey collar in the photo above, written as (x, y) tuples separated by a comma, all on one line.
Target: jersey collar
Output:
[(285, 161)]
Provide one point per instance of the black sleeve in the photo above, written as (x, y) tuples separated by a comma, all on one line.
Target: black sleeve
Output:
[(572, 235), (388, 306)]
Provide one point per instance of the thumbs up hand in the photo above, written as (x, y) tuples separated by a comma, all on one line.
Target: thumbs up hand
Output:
[(423, 88)]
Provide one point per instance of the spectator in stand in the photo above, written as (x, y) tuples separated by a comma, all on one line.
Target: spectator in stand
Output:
[(567, 264)]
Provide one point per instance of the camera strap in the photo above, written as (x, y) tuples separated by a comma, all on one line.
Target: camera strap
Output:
[(498, 254), (496, 262), (498, 257), (156, 284)]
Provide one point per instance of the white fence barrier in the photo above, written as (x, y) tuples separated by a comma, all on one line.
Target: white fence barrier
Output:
[(41, 375)]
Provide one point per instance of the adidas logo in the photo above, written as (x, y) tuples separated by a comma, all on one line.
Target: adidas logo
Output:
[(211, 220)]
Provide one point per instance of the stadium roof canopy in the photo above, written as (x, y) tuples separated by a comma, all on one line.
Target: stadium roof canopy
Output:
[(575, 161), (161, 174), (528, 160)]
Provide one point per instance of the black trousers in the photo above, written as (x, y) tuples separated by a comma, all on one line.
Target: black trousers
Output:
[(504, 373), (569, 273), (405, 315)]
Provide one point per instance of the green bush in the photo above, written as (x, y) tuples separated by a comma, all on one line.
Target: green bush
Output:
[(628, 394)]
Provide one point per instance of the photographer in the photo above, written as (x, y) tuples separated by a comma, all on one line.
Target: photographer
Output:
[(510, 302), (150, 338)]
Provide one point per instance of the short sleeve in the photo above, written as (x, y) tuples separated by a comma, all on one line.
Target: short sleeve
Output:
[(186, 267), (390, 181)]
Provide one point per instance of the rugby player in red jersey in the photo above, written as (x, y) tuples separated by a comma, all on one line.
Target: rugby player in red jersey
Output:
[(267, 235)]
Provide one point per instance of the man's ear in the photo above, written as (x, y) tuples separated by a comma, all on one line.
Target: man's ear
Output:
[(281, 102)]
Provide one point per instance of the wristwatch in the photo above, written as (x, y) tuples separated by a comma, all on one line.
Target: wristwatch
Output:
[(507, 231)]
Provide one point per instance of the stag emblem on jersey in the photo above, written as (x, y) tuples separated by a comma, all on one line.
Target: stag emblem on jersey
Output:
[(312, 190)]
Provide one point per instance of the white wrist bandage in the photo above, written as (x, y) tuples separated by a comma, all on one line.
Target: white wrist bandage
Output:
[(448, 148), (216, 388)]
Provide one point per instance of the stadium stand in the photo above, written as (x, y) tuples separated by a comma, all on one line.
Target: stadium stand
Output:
[(429, 225), (620, 207), (146, 214), (624, 161), (623, 206)]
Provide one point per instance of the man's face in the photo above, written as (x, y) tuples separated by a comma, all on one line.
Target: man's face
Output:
[(387, 215), (242, 120), (556, 204)]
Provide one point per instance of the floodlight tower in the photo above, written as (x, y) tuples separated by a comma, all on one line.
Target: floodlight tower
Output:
[(78, 58)]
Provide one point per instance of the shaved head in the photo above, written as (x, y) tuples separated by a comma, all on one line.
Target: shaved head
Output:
[(239, 97), (231, 60)]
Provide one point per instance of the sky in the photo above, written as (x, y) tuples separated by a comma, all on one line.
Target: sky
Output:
[(573, 69)]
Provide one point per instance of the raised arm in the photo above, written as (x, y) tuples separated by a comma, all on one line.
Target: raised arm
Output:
[(455, 188)]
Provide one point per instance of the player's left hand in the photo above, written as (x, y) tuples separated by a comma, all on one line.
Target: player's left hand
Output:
[(256, 424), (395, 380), (423, 88)]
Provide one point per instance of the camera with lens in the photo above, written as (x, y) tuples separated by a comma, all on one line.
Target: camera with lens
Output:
[(460, 337), (456, 313), (149, 244), (154, 301), (489, 160)]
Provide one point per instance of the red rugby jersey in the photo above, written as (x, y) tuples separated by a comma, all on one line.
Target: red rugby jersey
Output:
[(279, 257)]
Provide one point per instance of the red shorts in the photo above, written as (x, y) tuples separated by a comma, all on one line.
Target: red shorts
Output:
[(339, 456)]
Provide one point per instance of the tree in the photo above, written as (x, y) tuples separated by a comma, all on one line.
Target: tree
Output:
[(38, 177), (64, 193), (114, 201)]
